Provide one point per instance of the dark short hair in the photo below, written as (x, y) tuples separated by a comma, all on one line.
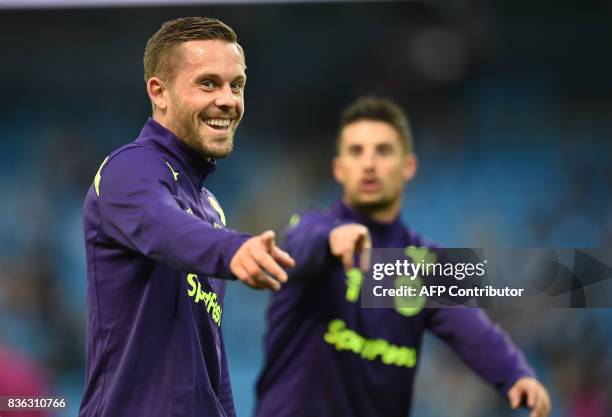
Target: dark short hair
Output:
[(378, 109), (160, 51)]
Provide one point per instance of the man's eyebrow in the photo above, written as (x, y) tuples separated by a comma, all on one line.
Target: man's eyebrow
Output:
[(204, 75), (216, 76), (241, 77)]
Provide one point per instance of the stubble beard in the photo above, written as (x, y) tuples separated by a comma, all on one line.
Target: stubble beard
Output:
[(370, 207), (219, 148), (188, 131)]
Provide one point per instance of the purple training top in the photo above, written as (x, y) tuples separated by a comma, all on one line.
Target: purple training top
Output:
[(328, 357), (156, 248)]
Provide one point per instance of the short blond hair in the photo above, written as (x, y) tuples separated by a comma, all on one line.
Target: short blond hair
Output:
[(161, 48)]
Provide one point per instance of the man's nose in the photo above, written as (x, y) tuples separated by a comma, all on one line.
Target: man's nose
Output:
[(368, 161), (225, 98)]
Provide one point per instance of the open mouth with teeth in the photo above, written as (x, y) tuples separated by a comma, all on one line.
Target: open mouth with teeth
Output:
[(218, 124)]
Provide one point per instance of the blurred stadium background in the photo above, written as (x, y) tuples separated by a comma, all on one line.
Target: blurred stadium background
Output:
[(511, 106)]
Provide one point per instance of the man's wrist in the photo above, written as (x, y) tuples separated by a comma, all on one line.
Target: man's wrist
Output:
[(235, 243)]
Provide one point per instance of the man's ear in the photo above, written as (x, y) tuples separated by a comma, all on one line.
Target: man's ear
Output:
[(411, 164), (337, 170), (158, 93)]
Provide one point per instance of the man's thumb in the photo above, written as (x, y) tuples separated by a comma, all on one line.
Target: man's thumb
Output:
[(269, 239)]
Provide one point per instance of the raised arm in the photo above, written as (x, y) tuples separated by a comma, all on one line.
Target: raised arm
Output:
[(139, 209), (316, 241)]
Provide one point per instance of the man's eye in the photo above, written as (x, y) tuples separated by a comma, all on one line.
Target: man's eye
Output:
[(207, 84), (236, 86)]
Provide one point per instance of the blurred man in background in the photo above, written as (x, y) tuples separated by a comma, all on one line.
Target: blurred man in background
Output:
[(157, 248), (325, 355)]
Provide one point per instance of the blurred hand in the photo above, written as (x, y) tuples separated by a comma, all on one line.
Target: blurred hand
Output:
[(348, 239), (537, 396), (259, 262)]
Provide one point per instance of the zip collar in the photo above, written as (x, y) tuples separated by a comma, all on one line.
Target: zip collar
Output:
[(185, 160)]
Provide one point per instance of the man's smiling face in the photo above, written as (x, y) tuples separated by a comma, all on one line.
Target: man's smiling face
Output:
[(206, 95)]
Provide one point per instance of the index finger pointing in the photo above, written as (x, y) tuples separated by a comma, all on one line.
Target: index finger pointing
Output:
[(282, 257), (365, 253), (347, 259), (266, 262)]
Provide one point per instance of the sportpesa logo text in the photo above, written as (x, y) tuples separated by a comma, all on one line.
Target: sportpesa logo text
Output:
[(209, 297)]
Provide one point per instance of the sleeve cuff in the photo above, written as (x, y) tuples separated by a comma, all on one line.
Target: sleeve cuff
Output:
[(235, 244)]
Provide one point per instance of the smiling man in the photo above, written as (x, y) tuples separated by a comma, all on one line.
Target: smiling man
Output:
[(328, 357), (158, 250)]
